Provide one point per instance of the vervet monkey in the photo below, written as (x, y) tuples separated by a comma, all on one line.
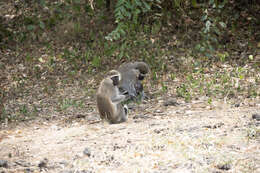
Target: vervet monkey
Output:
[(109, 99), (132, 74)]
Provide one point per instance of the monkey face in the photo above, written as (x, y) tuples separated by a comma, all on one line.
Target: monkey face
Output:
[(115, 76), (141, 76), (115, 80)]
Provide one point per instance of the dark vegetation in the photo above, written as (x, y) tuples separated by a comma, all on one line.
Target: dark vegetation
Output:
[(194, 48)]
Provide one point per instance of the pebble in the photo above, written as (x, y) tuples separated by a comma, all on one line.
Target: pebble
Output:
[(256, 117), (3, 163), (87, 152), (224, 166), (170, 102), (43, 163)]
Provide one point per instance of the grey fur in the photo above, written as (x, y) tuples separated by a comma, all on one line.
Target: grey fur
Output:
[(132, 74), (109, 99)]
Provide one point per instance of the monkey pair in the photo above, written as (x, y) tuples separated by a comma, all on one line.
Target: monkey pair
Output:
[(120, 85)]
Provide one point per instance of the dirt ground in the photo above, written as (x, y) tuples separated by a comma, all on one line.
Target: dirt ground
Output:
[(185, 137)]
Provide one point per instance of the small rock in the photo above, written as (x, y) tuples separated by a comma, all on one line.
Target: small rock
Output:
[(28, 170), (116, 147), (237, 105), (87, 152), (64, 163), (3, 163), (180, 112), (192, 129), (54, 127), (218, 125), (140, 117), (22, 163), (43, 163), (157, 131), (256, 117), (170, 102), (189, 112), (189, 165), (224, 166), (158, 111), (80, 116), (110, 158), (214, 126), (67, 171)]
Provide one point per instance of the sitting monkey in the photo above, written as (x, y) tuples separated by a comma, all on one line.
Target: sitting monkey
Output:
[(132, 74), (109, 99)]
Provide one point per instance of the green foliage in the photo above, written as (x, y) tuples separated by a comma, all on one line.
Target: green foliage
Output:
[(44, 15), (211, 29), (225, 83), (96, 62), (164, 87), (67, 103), (24, 109), (252, 132), (127, 13), (223, 56), (182, 91)]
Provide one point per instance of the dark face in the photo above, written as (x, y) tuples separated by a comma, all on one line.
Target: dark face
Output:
[(115, 80), (141, 76)]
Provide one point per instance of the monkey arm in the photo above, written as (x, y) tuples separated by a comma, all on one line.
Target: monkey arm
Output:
[(127, 87), (118, 98)]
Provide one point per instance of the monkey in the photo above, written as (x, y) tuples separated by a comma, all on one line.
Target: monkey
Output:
[(132, 74), (109, 99)]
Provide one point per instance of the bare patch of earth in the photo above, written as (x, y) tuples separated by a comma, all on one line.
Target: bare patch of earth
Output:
[(190, 137)]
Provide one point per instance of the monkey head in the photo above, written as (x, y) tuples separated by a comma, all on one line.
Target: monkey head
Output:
[(132, 75), (115, 76)]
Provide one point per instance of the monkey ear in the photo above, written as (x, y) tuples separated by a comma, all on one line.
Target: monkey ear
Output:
[(115, 80)]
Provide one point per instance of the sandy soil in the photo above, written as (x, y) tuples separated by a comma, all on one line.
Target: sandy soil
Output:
[(192, 137)]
